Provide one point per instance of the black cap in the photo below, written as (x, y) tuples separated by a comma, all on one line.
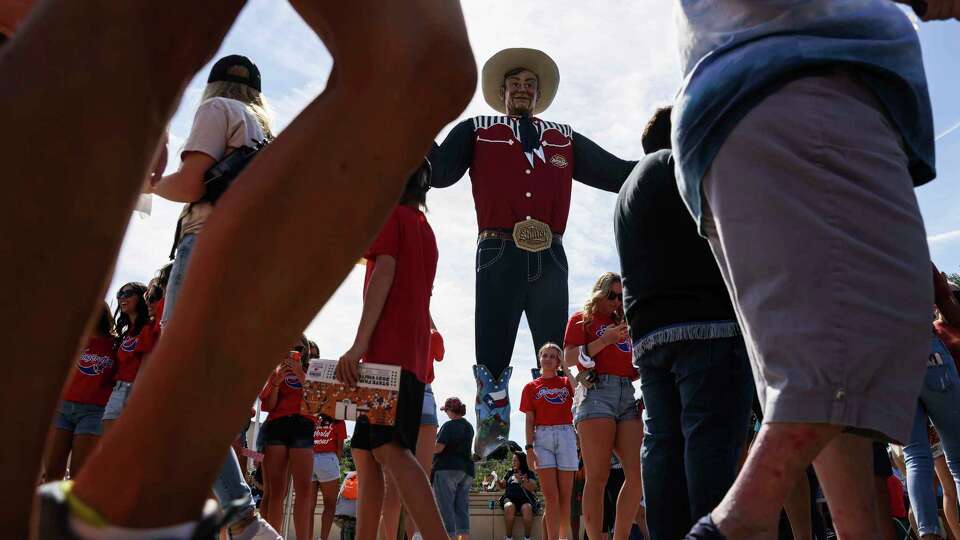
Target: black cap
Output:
[(221, 71)]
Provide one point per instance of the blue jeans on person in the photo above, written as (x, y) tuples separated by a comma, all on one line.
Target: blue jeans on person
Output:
[(511, 282), (697, 396), (230, 484), (451, 488), (940, 402)]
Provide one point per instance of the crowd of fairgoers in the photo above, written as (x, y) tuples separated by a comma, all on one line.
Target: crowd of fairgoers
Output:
[(796, 349)]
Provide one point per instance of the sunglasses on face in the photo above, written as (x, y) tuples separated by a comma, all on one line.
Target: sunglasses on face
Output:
[(153, 297), (615, 296), (126, 293)]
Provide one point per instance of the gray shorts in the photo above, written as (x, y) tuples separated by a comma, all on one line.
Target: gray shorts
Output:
[(811, 214), (118, 400), (556, 448), (326, 467), (610, 397)]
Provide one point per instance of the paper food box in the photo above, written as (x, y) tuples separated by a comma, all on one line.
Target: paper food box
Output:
[(374, 400)]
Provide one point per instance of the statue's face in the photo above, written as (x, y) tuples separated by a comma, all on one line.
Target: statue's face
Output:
[(520, 92)]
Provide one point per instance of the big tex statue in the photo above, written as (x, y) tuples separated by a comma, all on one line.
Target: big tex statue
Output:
[(522, 168)]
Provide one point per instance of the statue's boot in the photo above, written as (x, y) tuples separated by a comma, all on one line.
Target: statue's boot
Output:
[(493, 410)]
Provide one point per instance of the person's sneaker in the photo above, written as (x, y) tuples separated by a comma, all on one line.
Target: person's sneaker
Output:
[(258, 529), (705, 529), (53, 514)]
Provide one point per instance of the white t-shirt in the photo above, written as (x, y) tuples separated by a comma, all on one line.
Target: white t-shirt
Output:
[(220, 126)]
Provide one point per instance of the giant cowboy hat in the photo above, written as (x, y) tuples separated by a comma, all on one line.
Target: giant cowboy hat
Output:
[(498, 65)]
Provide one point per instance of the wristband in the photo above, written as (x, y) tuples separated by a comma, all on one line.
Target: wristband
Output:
[(528, 446), (584, 359)]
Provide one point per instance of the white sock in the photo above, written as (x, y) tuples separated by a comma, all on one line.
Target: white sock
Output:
[(85, 531)]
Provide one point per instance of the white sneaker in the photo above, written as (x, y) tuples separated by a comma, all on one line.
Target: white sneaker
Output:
[(258, 529)]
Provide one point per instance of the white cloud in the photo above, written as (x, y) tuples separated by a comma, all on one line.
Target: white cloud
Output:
[(942, 238)]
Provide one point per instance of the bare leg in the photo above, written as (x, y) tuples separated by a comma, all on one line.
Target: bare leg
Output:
[(314, 492), (370, 494), (59, 444), (86, 210), (779, 457), (797, 507), (641, 521), (627, 446), (845, 470), (551, 502), (565, 490), (301, 465), (949, 495), (527, 512), (509, 518), (596, 446), (414, 489), (244, 273), (267, 499), (390, 516), (329, 492), (83, 447), (426, 444), (275, 472)]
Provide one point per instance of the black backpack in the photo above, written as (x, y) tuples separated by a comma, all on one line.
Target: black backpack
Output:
[(219, 177)]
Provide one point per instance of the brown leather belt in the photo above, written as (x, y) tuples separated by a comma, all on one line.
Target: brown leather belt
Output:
[(504, 235)]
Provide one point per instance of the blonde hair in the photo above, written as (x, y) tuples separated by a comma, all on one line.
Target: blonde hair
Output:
[(599, 292), (247, 95), (550, 345)]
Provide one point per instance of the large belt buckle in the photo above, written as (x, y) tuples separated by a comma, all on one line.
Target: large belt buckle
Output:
[(532, 235)]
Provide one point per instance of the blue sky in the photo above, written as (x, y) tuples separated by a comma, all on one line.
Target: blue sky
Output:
[(618, 62)]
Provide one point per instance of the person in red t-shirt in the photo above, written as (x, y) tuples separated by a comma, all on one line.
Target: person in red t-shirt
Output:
[(77, 426), (328, 440), (288, 441), (551, 441), (606, 413), (395, 329), (426, 447), (137, 339), (154, 298)]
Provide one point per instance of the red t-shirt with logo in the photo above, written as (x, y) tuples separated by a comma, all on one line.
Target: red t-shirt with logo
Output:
[(289, 397), (327, 436), (402, 335), (132, 351), (550, 400), (616, 359), (92, 380)]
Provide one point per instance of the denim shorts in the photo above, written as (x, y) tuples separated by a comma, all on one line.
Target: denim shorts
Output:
[(118, 400), (429, 415), (556, 447), (292, 431), (326, 467), (79, 418), (611, 396)]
